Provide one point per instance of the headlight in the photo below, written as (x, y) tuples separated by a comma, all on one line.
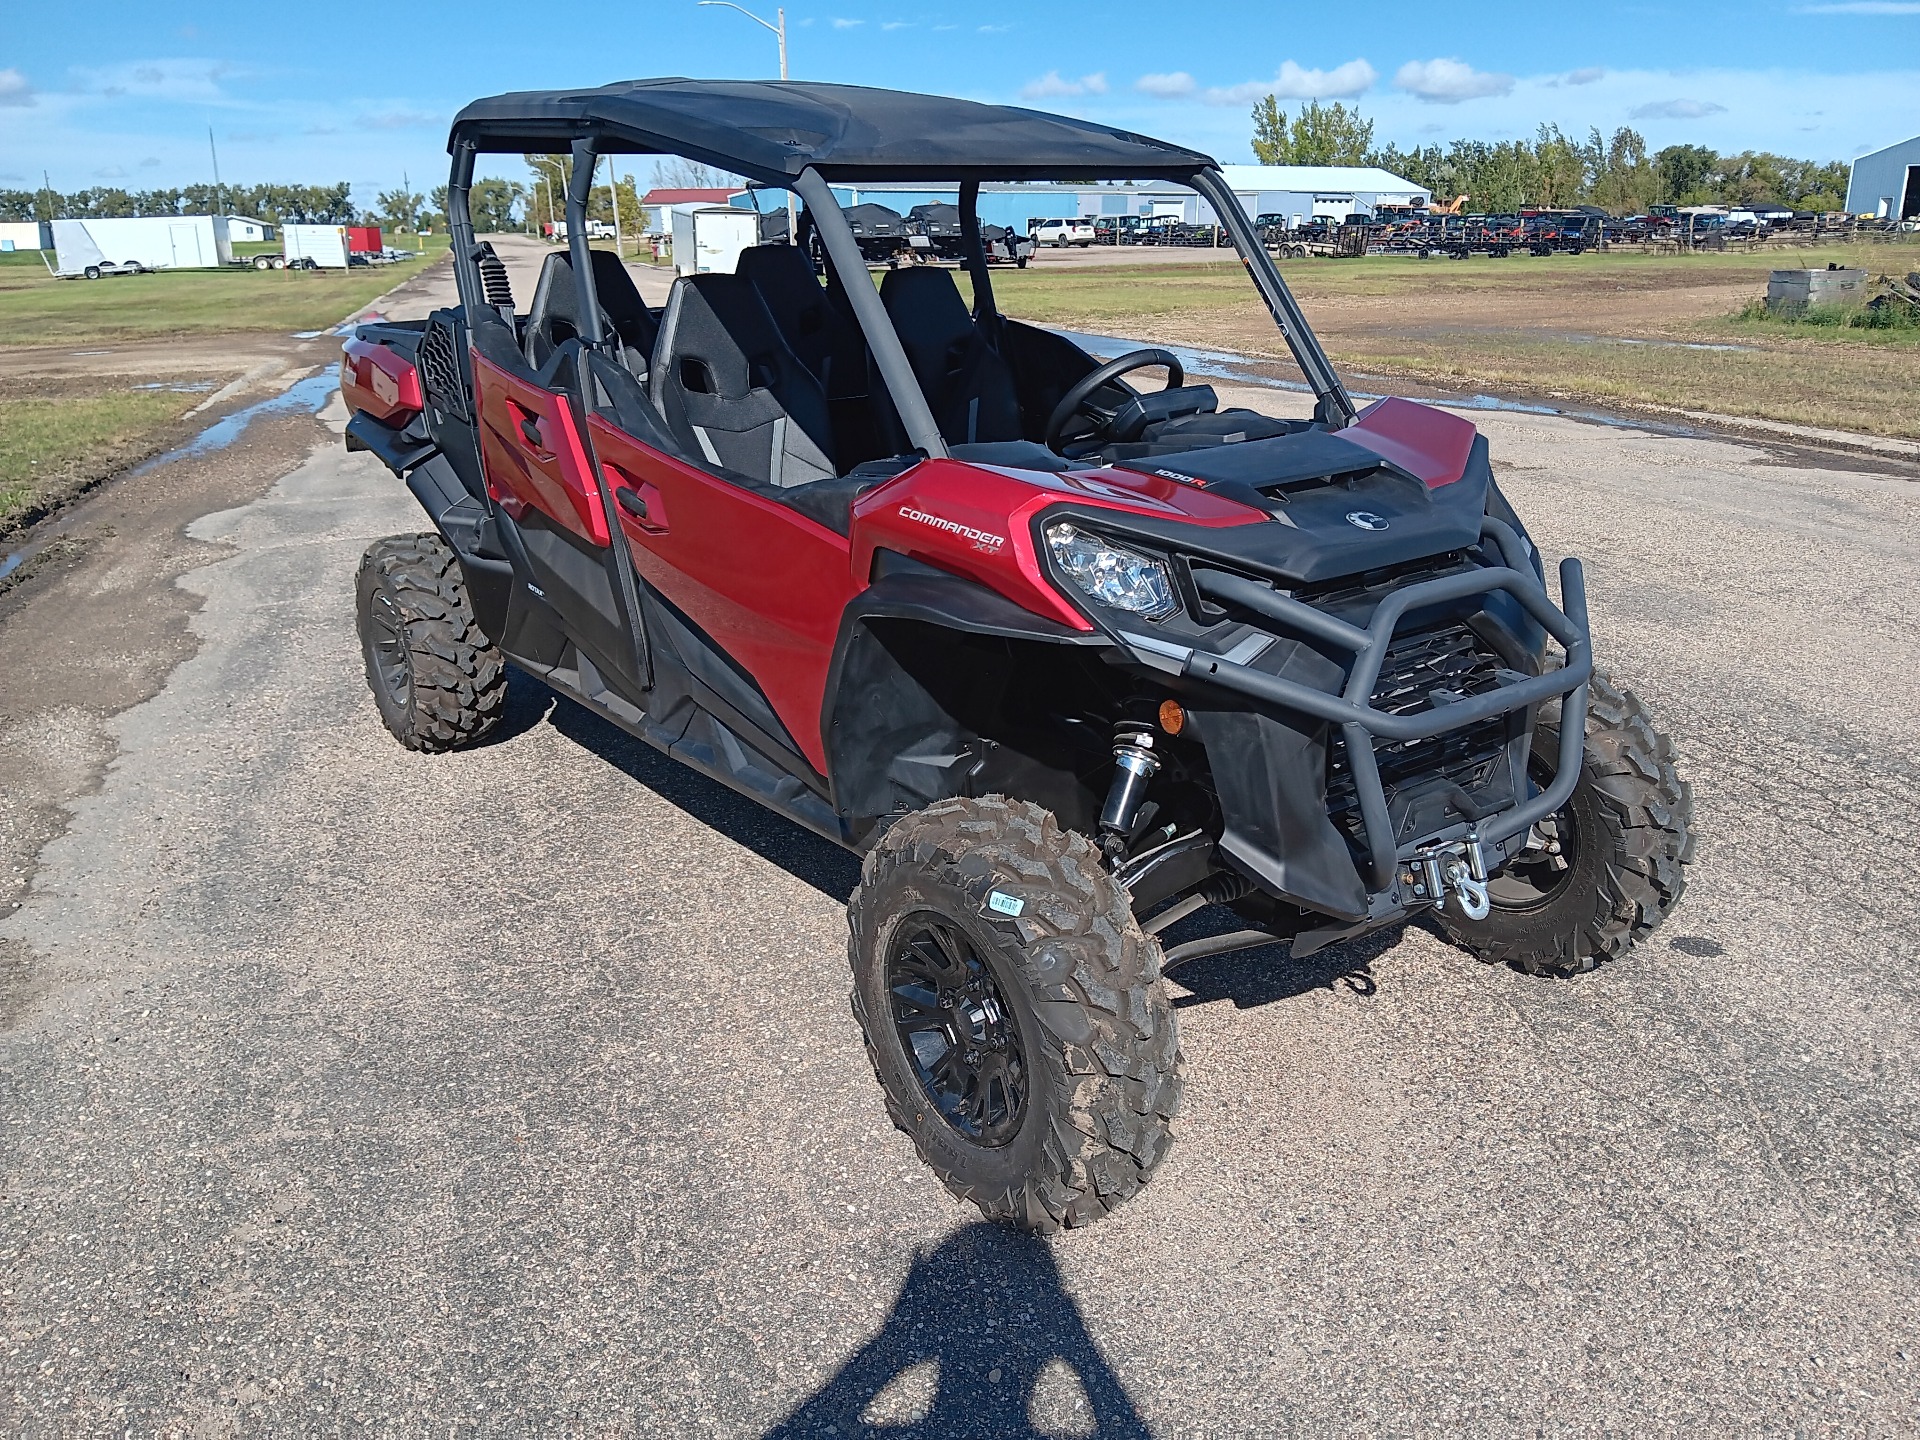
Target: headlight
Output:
[(1113, 575)]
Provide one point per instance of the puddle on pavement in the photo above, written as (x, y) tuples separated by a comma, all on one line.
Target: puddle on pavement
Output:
[(1252, 370), (310, 394)]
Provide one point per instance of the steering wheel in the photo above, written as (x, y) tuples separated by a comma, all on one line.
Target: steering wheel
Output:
[(1083, 389)]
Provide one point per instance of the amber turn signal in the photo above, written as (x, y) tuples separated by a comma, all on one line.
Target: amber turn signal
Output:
[(1172, 718)]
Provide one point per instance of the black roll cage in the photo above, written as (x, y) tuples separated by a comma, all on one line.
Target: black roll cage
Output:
[(1333, 406)]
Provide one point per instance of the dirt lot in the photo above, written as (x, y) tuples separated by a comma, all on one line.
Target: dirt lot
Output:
[(516, 1090), (1625, 331)]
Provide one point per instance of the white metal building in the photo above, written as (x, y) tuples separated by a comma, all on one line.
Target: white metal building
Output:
[(240, 229), (1291, 190), (25, 235), (1886, 183)]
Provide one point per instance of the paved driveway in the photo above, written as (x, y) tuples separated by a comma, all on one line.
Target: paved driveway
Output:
[(516, 1091)]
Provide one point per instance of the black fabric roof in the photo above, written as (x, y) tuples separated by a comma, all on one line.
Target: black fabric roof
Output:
[(773, 129)]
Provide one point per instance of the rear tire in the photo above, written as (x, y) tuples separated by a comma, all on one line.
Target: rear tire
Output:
[(1033, 1057), (1625, 839), (437, 680)]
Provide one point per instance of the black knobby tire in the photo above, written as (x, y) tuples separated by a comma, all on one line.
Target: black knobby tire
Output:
[(438, 681), (1100, 1051), (1629, 828)]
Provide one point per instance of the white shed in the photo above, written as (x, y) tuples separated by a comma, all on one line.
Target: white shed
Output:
[(243, 230), (22, 235)]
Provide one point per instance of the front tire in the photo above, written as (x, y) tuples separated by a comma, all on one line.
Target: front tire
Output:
[(1611, 865), (1014, 1012), (437, 680)]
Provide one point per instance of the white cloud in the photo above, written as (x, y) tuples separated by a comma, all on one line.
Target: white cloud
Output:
[(14, 89), (1864, 7), (1170, 86), (1448, 82), (848, 24), (995, 29), (1294, 82), (1587, 76), (1356, 77), (1677, 110), (897, 25), (1053, 85), (397, 120), (110, 172)]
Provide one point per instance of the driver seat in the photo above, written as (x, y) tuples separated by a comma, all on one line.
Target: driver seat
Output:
[(968, 386)]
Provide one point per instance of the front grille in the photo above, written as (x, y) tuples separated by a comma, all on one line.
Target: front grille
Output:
[(440, 369), (1453, 659)]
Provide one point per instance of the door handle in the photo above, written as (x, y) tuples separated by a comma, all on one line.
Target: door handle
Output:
[(631, 503), (530, 432)]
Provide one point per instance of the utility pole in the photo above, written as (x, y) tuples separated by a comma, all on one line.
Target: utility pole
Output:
[(780, 33), (613, 193), (214, 151)]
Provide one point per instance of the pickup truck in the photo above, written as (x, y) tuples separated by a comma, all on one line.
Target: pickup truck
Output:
[(1061, 233)]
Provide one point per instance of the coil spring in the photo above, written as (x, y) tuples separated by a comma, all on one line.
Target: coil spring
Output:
[(494, 287)]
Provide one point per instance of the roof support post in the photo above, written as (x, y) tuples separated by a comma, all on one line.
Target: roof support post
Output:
[(1333, 405), (985, 313), (466, 272), (843, 253), (579, 187)]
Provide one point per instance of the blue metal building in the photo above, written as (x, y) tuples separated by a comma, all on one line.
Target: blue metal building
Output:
[(1886, 183)]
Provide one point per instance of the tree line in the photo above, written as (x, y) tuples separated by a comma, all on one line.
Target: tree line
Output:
[(1553, 169), (301, 204)]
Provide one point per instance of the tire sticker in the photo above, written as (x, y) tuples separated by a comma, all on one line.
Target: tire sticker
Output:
[(1003, 904)]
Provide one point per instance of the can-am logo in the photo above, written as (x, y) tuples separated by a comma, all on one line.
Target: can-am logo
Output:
[(1366, 520), (982, 539)]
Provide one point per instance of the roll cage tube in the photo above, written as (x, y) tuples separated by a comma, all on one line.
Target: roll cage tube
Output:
[(1331, 396), (985, 313), (466, 275), (579, 186), (843, 253)]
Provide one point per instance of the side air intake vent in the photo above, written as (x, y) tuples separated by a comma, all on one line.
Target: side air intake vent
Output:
[(439, 367)]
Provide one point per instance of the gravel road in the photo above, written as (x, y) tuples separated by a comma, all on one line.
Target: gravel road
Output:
[(516, 1091)]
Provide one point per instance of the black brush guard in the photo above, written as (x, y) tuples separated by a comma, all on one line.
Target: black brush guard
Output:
[(1361, 722)]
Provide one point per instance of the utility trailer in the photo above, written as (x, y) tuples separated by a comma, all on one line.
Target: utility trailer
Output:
[(92, 249)]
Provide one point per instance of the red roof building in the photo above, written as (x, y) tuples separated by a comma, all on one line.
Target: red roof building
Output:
[(715, 196)]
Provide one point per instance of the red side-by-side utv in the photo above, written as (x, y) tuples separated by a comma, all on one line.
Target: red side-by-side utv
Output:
[(1067, 660)]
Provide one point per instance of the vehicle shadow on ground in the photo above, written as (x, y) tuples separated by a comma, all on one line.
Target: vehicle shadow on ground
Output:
[(1251, 978), (802, 854), (983, 1340)]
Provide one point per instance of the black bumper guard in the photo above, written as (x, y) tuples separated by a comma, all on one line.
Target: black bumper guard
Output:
[(1361, 723)]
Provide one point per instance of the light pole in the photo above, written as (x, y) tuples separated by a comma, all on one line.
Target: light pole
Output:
[(780, 33), (549, 160)]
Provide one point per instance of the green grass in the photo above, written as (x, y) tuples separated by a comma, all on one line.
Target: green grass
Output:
[(37, 310), (1887, 324), (50, 445)]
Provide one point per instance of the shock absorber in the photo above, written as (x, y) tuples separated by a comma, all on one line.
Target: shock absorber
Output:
[(1134, 764)]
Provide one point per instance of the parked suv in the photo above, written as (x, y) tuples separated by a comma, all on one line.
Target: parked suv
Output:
[(1099, 678), (1061, 233)]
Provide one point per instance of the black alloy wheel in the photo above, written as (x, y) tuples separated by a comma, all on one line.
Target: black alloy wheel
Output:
[(957, 1030), (1541, 872), (389, 660)]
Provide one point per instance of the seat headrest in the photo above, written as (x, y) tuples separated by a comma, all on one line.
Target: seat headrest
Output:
[(777, 269), (556, 297), (721, 321), (925, 301)]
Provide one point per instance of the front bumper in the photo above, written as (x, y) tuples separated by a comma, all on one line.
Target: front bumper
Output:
[(1393, 864)]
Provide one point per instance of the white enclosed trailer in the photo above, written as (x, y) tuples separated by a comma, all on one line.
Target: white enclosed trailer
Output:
[(709, 238), (151, 242), (310, 247)]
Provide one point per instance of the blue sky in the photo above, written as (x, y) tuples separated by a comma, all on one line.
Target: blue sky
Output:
[(363, 92)]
